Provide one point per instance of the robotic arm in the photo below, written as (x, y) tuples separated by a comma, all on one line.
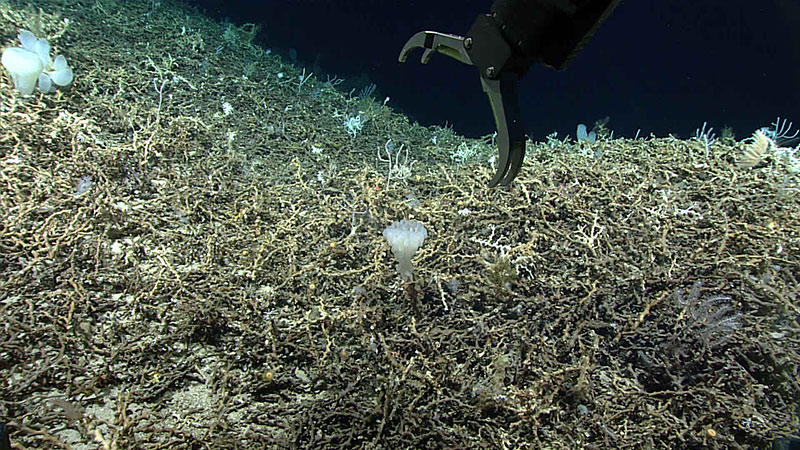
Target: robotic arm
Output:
[(503, 45)]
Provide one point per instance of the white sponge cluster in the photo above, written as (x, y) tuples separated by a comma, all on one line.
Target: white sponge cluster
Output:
[(32, 64), (405, 237)]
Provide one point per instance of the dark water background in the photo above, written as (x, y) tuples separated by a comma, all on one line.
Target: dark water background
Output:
[(662, 67)]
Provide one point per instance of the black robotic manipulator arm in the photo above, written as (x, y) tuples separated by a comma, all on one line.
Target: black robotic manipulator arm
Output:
[(503, 45)]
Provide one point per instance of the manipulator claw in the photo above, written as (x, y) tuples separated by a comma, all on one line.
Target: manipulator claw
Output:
[(504, 44), (500, 69), (432, 41), (483, 47)]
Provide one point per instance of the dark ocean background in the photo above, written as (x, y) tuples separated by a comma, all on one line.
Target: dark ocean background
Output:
[(659, 67)]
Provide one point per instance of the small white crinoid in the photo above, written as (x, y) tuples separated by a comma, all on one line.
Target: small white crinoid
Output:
[(755, 151)]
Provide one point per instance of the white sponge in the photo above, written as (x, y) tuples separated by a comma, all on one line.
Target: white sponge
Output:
[(405, 237), (31, 63), (24, 67)]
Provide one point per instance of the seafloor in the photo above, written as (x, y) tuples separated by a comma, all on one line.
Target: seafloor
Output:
[(191, 256)]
